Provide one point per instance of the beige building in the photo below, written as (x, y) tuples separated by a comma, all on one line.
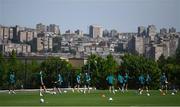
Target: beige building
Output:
[(22, 36), (157, 51), (19, 48), (11, 33), (40, 28), (154, 51), (166, 48), (42, 44), (151, 32), (1, 32), (26, 36), (138, 45), (95, 31), (6, 32)]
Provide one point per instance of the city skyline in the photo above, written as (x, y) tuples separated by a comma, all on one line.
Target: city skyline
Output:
[(122, 15)]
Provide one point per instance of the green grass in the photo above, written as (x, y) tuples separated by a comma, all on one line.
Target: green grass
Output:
[(130, 98)]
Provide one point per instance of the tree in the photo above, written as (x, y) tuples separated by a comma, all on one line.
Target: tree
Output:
[(31, 74), (177, 56), (13, 62), (54, 65), (161, 61), (139, 65), (3, 71), (99, 68), (111, 64), (100, 72), (17, 67), (92, 68)]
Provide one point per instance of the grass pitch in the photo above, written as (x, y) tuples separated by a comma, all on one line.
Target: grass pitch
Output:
[(95, 98)]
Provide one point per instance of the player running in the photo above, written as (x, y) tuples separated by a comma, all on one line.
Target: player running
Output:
[(58, 83), (141, 83), (78, 82), (11, 83), (87, 82), (41, 83), (120, 82), (147, 83), (110, 81), (164, 83), (126, 78)]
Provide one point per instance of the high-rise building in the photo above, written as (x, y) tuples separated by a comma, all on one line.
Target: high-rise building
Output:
[(141, 31), (56, 44), (157, 51), (11, 33), (22, 36), (166, 48), (16, 30), (95, 31), (154, 51), (40, 28), (53, 28), (163, 31), (151, 32), (113, 33), (172, 30), (79, 32), (29, 36), (26, 36), (42, 43), (173, 45), (5, 32), (18, 48), (137, 45), (106, 33), (68, 31), (1, 32)]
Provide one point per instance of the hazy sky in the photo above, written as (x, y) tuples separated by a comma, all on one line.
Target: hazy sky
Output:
[(123, 15)]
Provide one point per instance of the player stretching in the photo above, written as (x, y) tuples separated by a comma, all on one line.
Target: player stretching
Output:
[(11, 82), (110, 81), (121, 82), (87, 82), (78, 82), (41, 83), (58, 83), (164, 83), (141, 83), (147, 83)]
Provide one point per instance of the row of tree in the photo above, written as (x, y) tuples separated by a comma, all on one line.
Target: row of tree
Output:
[(98, 67), (27, 71)]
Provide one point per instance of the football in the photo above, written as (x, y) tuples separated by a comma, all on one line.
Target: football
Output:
[(103, 96), (110, 99), (41, 100), (54, 93)]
